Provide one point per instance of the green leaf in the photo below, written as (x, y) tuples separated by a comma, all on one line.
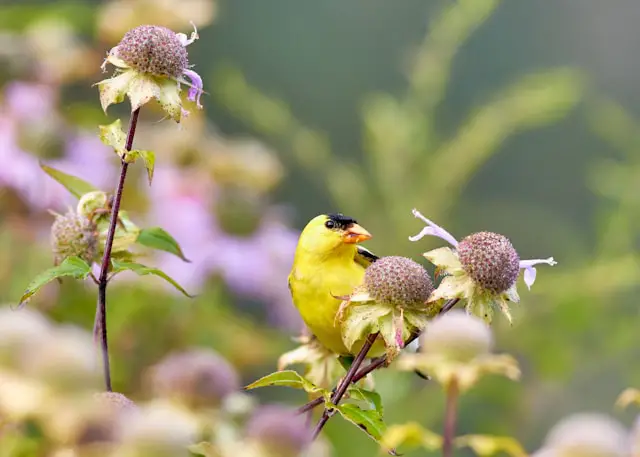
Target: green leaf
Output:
[(143, 270), (113, 90), (287, 378), (78, 187), (169, 98), (149, 159), (373, 399), (370, 421), (71, 266), (346, 361), (158, 238), (112, 135), (412, 435)]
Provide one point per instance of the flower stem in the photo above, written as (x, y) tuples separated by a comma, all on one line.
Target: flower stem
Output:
[(450, 416), (100, 325), (346, 381), (375, 363)]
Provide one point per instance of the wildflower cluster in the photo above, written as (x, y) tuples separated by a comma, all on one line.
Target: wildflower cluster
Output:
[(50, 381)]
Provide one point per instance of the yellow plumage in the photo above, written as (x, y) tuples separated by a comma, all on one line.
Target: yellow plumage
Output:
[(329, 263)]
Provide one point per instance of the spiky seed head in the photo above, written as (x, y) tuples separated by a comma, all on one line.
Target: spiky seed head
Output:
[(490, 260), (398, 281), (155, 50), (114, 401), (73, 235), (279, 431), (457, 336), (197, 377), (588, 435)]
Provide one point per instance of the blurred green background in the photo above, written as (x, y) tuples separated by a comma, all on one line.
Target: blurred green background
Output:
[(515, 117)]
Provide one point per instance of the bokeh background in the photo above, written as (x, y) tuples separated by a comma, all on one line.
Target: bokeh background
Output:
[(515, 117)]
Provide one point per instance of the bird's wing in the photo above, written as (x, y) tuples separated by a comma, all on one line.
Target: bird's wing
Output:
[(365, 257)]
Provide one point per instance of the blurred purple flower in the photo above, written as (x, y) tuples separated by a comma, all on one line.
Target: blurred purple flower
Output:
[(85, 156), (28, 101), (255, 266), (21, 172)]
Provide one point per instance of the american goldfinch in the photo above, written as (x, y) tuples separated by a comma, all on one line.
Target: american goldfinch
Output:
[(329, 263)]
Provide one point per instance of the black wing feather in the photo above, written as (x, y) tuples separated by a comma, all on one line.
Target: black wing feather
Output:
[(365, 257)]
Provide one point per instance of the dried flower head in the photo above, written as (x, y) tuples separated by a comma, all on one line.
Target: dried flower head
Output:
[(457, 336), (114, 401), (73, 235), (490, 260), (155, 50), (482, 269), (398, 281), (151, 62), (587, 435), (392, 300), (197, 377), (279, 431)]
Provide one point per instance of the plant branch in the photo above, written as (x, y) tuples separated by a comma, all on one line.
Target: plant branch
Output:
[(346, 381), (375, 363), (100, 324), (450, 416)]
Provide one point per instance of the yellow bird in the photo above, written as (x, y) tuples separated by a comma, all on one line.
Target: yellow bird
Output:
[(329, 263)]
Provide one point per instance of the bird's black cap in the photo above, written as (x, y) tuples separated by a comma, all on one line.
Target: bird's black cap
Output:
[(341, 220)]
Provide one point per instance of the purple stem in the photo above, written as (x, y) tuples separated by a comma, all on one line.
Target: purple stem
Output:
[(346, 381), (100, 325), (450, 416)]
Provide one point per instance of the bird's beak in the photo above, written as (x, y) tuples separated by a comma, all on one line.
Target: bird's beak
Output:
[(355, 234)]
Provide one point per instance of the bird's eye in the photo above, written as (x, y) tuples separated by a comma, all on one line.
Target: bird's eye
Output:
[(330, 224)]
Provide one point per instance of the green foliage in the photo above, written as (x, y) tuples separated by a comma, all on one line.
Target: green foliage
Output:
[(287, 378), (158, 238), (143, 270), (78, 187), (401, 148), (112, 135), (369, 421), (370, 398), (71, 266)]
